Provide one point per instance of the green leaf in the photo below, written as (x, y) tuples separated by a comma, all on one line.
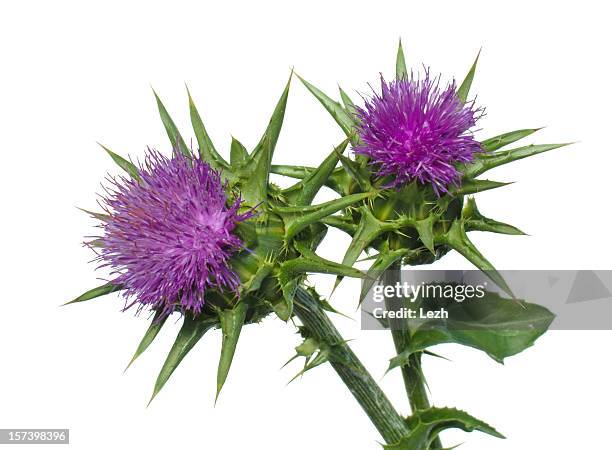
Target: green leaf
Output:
[(320, 358), (297, 218), (304, 192), (471, 186), (206, 148), (400, 63), (188, 336), (176, 140), (475, 221), (150, 335), (96, 292), (126, 165), (254, 282), (425, 426), (368, 230), (256, 172), (457, 239), (315, 264), (336, 181), (255, 181), (299, 172), (284, 308), (464, 89), (497, 142), (349, 105), (425, 229), (289, 285), (292, 271), (356, 172), (267, 144), (488, 162), (341, 223), (307, 348), (498, 326), (231, 321), (336, 110), (238, 153)]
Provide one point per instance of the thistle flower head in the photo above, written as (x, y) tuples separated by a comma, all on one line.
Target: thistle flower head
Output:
[(169, 235), (416, 129)]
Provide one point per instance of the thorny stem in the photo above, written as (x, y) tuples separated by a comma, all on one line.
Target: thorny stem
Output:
[(414, 379), (366, 391)]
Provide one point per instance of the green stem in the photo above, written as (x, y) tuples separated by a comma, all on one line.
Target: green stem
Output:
[(414, 379), (360, 383)]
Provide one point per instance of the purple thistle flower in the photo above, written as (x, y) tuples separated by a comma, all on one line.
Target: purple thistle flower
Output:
[(169, 236), (416, 130)]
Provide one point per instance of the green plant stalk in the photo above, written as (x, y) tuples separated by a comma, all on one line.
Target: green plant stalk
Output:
[(360, 383), (414, 379)]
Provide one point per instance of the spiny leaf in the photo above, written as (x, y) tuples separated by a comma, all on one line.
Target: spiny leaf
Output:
[(336, 110), (289, 286), (173, 134), (256, 171), (255, 181), (425, 425), (299, 172), (356, 172), (307, 348), (335, 181), (349, 105), (188, 336), (340, 223), (457, 239), (254, 282), (329, 308), (283, 308), (464, 89), (471, 186), (96, 292), (150, 335), (425, 229), (320, 358), (475, 221), (497, 142), (400, 63), (368, 230), (307, 189), (231, 321), (206, 148), (488, 162), (297, 218), (126, 165), (267, 144), (238, 153), (315, 264)]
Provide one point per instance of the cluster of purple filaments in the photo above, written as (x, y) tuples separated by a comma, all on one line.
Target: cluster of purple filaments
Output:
[(169, 236), (417, 130)]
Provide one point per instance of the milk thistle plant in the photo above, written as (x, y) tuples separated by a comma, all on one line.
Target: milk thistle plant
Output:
[(214, 241)]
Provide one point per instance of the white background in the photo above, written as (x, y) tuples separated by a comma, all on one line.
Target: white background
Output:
[(76, 72)]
